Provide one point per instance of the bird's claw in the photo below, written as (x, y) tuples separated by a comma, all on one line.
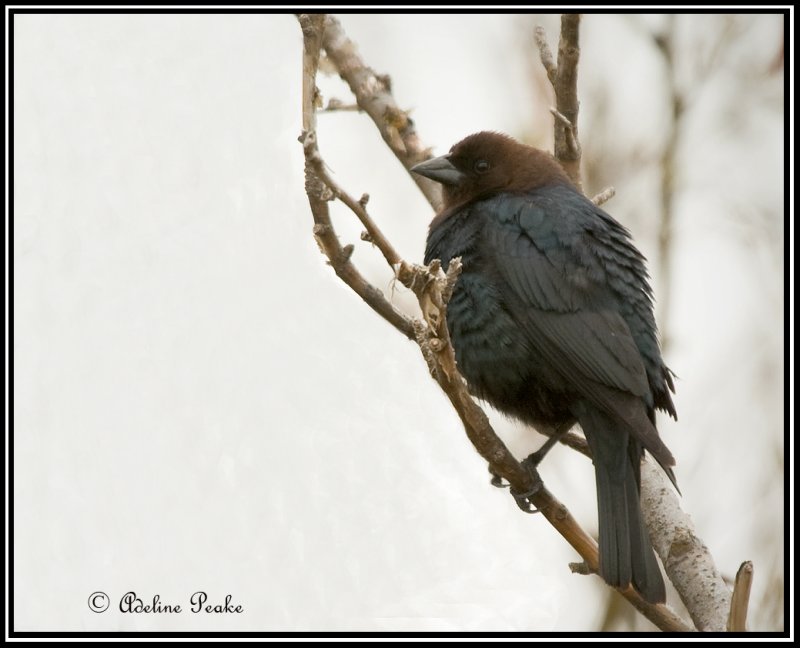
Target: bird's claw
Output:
[(497, 480), (523, 499)]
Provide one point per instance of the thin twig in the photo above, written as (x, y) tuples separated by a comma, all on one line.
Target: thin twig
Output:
[(604, 196), (318, 193), (375, 235), (737, 620), (569, 132), (373, 94), (545, 54), (337, 105)]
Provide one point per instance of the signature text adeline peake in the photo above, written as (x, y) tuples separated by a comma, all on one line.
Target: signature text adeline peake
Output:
[(199, 603)]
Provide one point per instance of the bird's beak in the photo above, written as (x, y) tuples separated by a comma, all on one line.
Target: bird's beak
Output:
[(439, 169)]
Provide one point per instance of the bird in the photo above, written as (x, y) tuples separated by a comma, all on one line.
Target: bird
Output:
[(551, 322)]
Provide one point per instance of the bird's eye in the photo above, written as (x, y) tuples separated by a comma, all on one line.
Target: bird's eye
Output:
[(481, 166)]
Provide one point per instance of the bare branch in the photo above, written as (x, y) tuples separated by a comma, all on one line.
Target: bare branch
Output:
[(567, 144), (545, 54), (358, 207), (373, 94), (737, 620), (686, 558), (319, 194), (312, 42), (564, 79)]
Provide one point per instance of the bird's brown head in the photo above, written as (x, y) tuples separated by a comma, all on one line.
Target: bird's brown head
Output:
[(488, 163)]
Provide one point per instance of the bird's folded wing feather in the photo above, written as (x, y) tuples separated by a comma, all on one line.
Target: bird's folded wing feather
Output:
[(557, 289)]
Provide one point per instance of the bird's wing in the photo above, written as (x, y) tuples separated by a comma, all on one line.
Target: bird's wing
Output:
[(558, 268)]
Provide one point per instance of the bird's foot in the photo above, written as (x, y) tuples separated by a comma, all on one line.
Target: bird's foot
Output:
[(533, 460), (523, 498)]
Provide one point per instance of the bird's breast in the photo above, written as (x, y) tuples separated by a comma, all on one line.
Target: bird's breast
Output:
[(494, 356), (482, 331)]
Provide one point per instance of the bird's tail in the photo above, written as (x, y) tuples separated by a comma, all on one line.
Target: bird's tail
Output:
[(626, 554)]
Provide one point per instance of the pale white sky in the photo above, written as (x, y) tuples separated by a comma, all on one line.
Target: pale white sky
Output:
[(201, 404)]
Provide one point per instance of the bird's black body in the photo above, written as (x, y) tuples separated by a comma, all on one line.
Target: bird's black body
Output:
[(552, 322)]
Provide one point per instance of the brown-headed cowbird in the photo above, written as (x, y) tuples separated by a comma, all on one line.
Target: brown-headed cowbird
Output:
[(552, 323)]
